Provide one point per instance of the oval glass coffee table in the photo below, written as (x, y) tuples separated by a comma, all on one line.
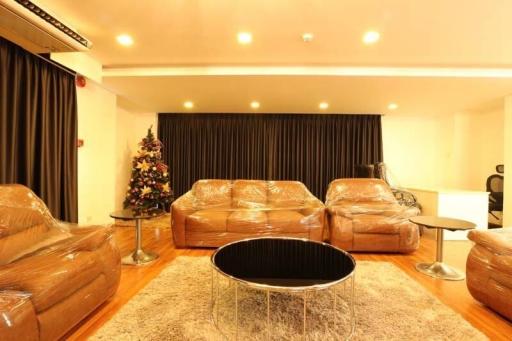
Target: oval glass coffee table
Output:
[(281, 265)]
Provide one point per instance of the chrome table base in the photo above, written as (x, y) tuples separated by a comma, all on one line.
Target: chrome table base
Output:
[(217, 294), (438, 269), (139, 256)]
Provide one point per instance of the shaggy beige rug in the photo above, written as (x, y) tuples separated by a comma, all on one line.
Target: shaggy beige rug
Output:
[(389, 306)]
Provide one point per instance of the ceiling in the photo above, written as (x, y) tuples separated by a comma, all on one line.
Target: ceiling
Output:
[(202, 33)]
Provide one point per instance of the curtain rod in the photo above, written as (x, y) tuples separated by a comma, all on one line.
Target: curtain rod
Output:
[(54, 63)]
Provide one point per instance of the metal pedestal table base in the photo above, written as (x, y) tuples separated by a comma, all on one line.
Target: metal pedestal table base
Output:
[(139, 256), (438, 269)]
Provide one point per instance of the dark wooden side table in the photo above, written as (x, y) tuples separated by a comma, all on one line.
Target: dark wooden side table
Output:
[(138, 256), (438, 269)]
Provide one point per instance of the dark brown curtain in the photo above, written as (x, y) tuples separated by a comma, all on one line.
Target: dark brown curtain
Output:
[(311, 148), (38, 129)]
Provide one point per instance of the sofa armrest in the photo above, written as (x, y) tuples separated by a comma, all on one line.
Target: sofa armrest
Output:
[(181, 208), (313, 207), (19, 321), (499, 243)]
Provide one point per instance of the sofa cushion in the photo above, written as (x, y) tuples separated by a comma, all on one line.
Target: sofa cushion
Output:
[(28, 241), (249, 194), (367, 223), (212, 194), (287, 221), (289, 194), (248, 221), (207, 221), (50, 277)]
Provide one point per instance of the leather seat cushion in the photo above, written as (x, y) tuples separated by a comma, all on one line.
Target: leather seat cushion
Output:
[(287, 221), (207, 221), (52, 277), (366, 223), (247, 221)]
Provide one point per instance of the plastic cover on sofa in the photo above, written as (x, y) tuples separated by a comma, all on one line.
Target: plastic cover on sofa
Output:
[(215, 212), (364, 215), (52, 274), (489, 269)]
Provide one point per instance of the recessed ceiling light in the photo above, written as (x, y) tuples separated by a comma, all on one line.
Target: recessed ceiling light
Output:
[(392, 106), (371, 37), (307, 37), (125, 40), (255, 104), (323, 105), (188, 104), (244, 38)]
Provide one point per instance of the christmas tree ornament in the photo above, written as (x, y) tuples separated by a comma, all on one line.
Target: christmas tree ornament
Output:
[(166, 188), (143, 165)]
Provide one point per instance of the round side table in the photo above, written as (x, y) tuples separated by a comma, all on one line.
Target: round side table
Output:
[(438, 269), (138, 256)]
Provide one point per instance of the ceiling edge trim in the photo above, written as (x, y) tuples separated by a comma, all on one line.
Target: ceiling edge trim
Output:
[(306, 71)]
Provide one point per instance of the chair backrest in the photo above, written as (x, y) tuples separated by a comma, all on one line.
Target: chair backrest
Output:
[(365, 171), (359, 190), (226, 194), (20, 203), (495, 183), (24, 222)]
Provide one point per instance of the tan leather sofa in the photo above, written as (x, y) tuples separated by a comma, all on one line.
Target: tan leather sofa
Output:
[(215, 212), (489, 269), (365, 216), (52, 274)]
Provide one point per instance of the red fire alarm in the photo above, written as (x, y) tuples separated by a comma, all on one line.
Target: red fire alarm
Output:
[(80, 81), (80, 143)]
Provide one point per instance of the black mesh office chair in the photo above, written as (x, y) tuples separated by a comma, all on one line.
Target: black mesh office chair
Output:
[(365, 171), (495, 188)]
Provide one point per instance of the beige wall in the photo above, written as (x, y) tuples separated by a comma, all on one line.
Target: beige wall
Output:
[(417, 149), (131, 128), (96, 159), (445, 151), (484, 148)]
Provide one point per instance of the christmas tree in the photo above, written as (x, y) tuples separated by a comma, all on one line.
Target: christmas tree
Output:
[(149, 188)]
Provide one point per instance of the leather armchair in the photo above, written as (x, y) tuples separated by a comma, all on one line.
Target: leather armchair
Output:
[(216, 212), (364, 215), (489, 269), (52, 274)]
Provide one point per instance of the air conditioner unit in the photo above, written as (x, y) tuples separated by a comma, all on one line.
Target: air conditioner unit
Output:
[(32, 27)]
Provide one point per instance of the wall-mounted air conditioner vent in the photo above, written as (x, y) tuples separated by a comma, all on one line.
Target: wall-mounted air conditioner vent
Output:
[(25, 22)]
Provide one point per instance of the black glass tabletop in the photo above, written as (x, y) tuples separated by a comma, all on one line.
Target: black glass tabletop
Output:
[(284, 262), (129, 214)]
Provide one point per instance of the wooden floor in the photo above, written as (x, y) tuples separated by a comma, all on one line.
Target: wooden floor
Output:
[(453, 294)]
